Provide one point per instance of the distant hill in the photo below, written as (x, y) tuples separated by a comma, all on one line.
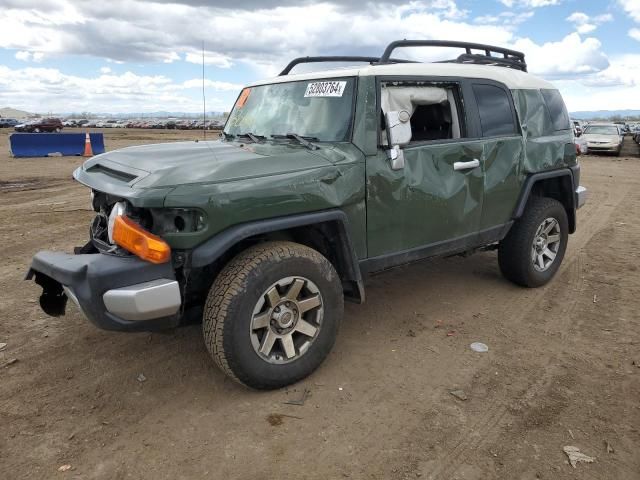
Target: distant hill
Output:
[(9, 112), (160, 114), (605, 114)]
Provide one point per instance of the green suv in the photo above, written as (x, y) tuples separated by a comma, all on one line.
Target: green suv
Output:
[(320, 179)]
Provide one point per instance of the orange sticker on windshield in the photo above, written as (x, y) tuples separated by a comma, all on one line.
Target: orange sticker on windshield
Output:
[(242, 99)]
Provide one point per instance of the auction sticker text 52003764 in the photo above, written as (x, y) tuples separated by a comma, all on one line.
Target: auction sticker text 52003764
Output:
[(325, 89)]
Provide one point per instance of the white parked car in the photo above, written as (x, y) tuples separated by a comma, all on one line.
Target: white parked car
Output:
[(603, 137)]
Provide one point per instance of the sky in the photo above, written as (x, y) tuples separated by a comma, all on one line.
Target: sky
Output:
[(123, 56)]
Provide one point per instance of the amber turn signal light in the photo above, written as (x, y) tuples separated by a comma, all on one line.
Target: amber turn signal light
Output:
[(132, 237)]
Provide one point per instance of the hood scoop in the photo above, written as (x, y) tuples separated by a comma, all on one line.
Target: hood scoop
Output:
[(110, 172)]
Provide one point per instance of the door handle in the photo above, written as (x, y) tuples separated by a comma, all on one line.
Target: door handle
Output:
[(466, 165)]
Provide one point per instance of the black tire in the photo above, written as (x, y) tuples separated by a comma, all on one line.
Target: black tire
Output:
[(237, 291), (58, 129), (515, 250), (36, 130)]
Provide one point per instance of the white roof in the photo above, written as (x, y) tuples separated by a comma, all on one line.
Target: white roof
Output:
[(513, 79)]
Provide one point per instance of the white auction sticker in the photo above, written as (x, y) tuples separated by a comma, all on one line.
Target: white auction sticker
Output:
[(325, 89)]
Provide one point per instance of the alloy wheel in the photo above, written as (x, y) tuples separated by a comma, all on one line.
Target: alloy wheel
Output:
[(546, 243), (286, 320)]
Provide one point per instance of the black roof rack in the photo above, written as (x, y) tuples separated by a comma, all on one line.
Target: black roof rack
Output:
[(509, 58), (340, 58)]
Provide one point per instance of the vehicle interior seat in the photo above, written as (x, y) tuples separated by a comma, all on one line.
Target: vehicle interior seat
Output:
[(431, 122)]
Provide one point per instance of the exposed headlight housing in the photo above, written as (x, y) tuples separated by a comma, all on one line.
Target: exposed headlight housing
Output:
[(119, 209), (177, 220)]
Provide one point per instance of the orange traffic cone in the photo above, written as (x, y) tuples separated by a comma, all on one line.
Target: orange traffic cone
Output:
[(88, 152)]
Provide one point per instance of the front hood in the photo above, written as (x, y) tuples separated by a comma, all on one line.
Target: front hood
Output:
[(601, 138), (183, 163)]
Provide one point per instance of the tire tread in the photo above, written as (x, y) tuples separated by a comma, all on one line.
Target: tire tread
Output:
[(514, 249), (230, 283)]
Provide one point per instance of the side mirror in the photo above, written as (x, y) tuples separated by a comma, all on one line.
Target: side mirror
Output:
[(398, 128)]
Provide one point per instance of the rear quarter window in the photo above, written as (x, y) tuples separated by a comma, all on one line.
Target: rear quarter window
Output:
[(494, 108), (533, 113), (557, 109)]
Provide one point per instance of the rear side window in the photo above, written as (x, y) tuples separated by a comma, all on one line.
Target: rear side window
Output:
[(557, 110), (534, 113), (496, 115)]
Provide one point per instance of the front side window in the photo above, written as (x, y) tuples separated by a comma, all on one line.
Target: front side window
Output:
[(319, 109), (494, 107), (432, 108)]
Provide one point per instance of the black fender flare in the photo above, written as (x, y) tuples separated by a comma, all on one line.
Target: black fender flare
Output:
[(212, 249), (531, 180)]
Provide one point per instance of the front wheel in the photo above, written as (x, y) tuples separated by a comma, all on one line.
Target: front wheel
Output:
[(532, 251), (36, 130), (272, 314)]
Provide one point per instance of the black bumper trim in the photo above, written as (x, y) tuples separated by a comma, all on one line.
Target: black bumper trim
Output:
[(89, 276)]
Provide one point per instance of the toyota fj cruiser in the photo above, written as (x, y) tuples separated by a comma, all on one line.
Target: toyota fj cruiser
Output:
[(320, 179)]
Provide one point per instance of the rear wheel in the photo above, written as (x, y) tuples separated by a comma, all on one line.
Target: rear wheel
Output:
[(58, 129), (272, 314), (36, 130), (532, 251)]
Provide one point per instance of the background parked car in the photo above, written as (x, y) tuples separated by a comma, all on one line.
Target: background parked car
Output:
[(40, 125), (8, 122), (603, 137)]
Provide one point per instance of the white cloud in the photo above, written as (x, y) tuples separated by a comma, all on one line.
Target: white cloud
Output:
[(529, 3), (171, 57), (105, 70), (22, 55), (579, 97), (605, 17), (568, 57), (221, 86), (623, 70), (632, 8), (584, 24), (35, 89), (261, 36), (635, 33), (507, 19), (120, 30), (221, 61), (614, 88), (29, 56), (447, 8)]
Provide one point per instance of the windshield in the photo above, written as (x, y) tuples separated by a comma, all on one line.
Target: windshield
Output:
[(602, 130), (321, 109)]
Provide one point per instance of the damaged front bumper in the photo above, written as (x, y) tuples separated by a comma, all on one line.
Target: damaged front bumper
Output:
[(113, 292)]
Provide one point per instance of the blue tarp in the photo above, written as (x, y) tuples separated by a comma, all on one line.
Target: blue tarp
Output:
[(52, 144)]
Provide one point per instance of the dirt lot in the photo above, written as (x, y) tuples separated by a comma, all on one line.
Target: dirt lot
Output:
[(562, 367)]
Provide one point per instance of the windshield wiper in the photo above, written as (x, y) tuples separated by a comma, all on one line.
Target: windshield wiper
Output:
[(254, 138), (303, 140), (227, 136)]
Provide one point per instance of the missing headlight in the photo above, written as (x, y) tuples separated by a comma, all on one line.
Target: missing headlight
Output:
[(177, 220)]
